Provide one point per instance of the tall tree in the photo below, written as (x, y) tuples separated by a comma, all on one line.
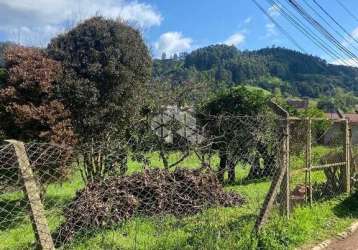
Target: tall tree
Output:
[(106, 65)]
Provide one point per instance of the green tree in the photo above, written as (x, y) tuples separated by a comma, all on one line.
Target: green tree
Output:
[(106, 65), (233, 117), (300, 74), (327, 105)]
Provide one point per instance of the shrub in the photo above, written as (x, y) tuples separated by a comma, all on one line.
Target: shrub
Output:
[(106, 65), (237, 112), (29, 109)]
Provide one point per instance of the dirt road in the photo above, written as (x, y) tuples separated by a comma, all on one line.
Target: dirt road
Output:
[(350, 243)]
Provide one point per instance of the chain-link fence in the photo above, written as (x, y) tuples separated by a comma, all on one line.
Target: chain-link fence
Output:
[(182, 181), (319, 159)]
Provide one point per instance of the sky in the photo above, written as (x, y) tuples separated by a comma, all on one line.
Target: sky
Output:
[(173, 26)]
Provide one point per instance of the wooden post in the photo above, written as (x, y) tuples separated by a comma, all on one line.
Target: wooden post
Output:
[(285, 154), (286, 165), (309, 158), (347, 145), (270, 198), (352, 167), (282, 176), (37, 211)]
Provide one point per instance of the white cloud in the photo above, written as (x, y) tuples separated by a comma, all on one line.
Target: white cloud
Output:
[(44, 17), (248, 20), (355, 33), (172, 42), (351, 39), (346, 62), (235, 39), (270, 30), (274, 10), (38, 36)]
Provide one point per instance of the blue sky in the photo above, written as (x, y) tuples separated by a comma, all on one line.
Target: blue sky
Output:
[(169, 26)]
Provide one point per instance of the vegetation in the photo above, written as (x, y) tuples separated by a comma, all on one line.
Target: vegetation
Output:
[(288, 72), (95, 85), (3, 46), (106, 65), (29, 108), (232, 132), (222, 228), (148, 193)]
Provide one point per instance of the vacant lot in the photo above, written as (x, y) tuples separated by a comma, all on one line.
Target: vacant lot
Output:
[(215, 228)]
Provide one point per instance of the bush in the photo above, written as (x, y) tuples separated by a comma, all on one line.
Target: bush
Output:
[(106, 65), (29, 108), (237, 112)]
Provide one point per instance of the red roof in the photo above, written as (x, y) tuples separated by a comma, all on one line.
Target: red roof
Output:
[(333, 116), (352, 117)]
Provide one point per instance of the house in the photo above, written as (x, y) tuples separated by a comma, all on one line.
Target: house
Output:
[(184, 118), (298, 103), (353, 121), (335, 132)]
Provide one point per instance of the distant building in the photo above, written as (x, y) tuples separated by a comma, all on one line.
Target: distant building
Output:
[(186, 125), (335, 133), (298, 103), (353, 121)]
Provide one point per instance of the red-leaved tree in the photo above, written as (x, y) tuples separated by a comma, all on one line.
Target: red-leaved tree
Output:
[(29, 108)]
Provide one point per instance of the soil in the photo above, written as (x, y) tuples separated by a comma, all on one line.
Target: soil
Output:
[(349, 243)]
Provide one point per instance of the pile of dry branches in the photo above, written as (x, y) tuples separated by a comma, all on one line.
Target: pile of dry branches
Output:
[(152, 192)]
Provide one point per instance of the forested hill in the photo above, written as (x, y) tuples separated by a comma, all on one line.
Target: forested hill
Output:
[(275, 69), (291, 72)]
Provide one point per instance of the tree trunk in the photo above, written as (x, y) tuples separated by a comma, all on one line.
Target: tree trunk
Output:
[(231, 172), (222, 166), (123, 167), (268, 168)]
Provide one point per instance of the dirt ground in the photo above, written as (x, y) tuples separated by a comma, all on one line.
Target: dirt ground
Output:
[(350, 243)]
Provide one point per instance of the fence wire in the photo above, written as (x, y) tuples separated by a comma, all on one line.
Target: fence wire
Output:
[(317, 160), (182, 180)]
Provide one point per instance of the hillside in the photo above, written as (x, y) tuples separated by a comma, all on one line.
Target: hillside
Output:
[(292, 72), (278, 70)]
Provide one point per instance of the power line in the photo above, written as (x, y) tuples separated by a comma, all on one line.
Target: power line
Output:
[(335, 21), (296, 22), (347, 10), (279, 26), (338, 52), (343, 37), (322, 30)]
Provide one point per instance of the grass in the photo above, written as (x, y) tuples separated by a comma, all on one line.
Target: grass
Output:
[(215, 228)]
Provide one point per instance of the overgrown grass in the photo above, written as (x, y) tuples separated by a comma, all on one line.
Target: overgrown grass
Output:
[(215, 228)]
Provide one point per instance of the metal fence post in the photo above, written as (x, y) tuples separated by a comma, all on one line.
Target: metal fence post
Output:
[(308, 158), (347, 145), (285, 188), (32, 192)]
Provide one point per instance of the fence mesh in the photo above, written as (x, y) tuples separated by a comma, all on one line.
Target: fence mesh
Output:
[(182, 180), (317, 160)]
